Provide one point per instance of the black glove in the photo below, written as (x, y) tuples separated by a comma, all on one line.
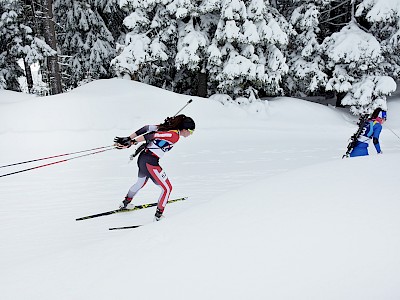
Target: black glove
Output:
[(123, 142)]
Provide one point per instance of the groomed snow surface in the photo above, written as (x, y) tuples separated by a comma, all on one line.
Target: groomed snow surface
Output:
[(273, 211)]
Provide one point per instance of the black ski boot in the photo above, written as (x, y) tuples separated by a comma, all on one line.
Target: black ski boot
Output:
[(125, 203), (158, 216)]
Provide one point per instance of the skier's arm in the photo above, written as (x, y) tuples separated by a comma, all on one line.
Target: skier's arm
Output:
[(133, 135), (136, 137), (139, 135), (142, 131)]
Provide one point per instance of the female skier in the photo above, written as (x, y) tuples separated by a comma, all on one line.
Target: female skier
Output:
[(159, 139), (372, 129)]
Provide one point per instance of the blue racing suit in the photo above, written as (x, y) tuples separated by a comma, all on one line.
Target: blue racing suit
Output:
[(372, 129)]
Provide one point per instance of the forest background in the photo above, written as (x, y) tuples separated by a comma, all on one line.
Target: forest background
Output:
[(244, 50)]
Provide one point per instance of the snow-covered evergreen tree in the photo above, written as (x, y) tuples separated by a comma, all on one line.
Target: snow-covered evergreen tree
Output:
[(36, 51), (10, 44), (235, 43), (306, 67), (383, 17), (354, 57), (113, 17), (86, 44), (197, 21), (245, 55), (18, 41), (149, 52)]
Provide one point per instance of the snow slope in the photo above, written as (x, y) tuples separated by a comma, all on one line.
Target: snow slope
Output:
[(273, 210)]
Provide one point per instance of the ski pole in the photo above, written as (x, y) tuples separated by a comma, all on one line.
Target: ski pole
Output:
[(56, 162), (190, 101), (54, 156), (392, 131)]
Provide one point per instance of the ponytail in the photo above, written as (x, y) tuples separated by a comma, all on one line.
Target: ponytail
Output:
[(178, 122), (172, 123)]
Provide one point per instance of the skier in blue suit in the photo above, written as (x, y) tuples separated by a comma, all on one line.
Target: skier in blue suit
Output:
[(372, 129)]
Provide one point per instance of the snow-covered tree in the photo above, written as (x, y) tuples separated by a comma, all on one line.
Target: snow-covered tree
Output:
[(306, 74), (246, 47), (10, 44), (36, 51), (113, 17), (354, 57), (383, 17), (18, 42), (334, 15), (167, 42), (369, 93), (245, 55), (148, 54), (235, 45), (86, 44), (196, 27)]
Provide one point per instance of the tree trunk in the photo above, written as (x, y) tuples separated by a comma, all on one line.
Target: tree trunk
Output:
[(339, 98), (50, 37), (202, 84), (28, 75)]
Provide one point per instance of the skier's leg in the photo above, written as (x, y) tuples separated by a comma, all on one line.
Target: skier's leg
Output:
[(359, 151), (160, 178), (143, 176), (134, 189)]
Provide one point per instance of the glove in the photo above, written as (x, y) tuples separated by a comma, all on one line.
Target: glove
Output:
[(123, 142)]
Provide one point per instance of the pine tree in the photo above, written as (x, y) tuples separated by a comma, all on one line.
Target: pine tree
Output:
[(306, 67), (335, 14), (87, 46), (354, 57), (382, 19), (197, 22), (18, 43), (148, 54), (11, 38), (245, 55), (113, 17), (36, 50)]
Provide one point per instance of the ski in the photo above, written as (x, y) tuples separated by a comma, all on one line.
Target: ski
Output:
[(124, 227), (137, 207)]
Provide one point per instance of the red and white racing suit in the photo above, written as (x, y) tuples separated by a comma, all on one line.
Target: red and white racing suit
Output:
[(158, 142)]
